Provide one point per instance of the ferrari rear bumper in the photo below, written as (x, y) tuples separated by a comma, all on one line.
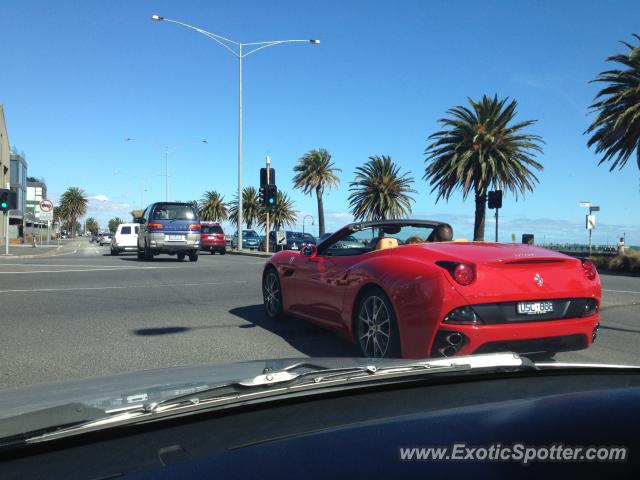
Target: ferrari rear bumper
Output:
[(531, 337)]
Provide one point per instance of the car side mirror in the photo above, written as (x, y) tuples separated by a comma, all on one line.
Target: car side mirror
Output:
[(309, 251)]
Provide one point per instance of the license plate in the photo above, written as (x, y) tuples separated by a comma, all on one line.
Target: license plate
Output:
[(175, 238), (535, 308)]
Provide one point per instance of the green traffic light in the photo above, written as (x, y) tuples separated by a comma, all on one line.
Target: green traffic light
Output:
[(4, 204), (271, 200)]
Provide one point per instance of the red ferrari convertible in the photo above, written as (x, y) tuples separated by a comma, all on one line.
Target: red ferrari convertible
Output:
[(399, 290)]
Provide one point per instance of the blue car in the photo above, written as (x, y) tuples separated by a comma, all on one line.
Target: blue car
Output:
[(250, 240), (172, 228)]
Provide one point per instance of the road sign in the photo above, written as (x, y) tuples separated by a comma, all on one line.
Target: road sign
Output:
[(591, 222), (281, 237), (45, 210), (46, 206), (594, 209), (584, 204)]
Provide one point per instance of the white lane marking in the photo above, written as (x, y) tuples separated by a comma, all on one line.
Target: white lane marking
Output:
[(121, 287), (62, 265), (621, 291), (107, 269)]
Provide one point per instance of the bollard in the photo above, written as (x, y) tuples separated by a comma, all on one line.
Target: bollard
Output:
[(34, 241)]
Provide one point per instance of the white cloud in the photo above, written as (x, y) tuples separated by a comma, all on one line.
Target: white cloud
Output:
[(100, 198)]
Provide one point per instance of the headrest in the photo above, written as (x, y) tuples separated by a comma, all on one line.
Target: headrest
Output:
[(385, 243)]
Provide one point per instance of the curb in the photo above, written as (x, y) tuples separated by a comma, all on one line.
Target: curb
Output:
[(250, 254)]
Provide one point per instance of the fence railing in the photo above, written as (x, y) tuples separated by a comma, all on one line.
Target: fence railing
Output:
[(579, 249)]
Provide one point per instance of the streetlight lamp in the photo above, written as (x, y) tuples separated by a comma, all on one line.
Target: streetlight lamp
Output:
[(304, 218), (167, 151), (237, 50)]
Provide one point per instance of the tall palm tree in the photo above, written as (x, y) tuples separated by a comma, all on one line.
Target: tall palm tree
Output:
[(281, 214), (480, 147), (616, 130), (212, 207), (315, 172), (250, 207), (74, 205), (379, 191)]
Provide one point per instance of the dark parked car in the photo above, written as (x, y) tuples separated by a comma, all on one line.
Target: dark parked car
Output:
[(295, 241), (169, 227), (347, 242)]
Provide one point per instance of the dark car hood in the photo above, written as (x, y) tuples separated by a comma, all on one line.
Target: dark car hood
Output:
[(129, 389)]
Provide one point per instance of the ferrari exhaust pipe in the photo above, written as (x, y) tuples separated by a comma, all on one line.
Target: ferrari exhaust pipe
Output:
[(448, 351), (454, 339)]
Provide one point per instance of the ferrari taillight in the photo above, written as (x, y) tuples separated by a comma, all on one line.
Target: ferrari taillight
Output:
[(464, 274), (589, 269)]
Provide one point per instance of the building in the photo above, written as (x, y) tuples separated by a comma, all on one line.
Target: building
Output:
[(18, 183), (4, 164), (36, 191)]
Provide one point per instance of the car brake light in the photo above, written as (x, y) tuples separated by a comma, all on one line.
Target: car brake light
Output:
[(195, 226), (589, 269), (155, 226), (464, 274)]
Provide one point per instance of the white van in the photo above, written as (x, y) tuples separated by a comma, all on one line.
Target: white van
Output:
[(125, 239)]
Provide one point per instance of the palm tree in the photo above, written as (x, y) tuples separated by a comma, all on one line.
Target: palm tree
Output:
[(281, 214), (250, 207), (91, 225), (315, 172), (616, 130), (480, 148), (73, 203), (379, 191), (213, 208), (113, 224)]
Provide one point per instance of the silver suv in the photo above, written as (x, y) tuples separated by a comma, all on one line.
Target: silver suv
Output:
[(169, 227)]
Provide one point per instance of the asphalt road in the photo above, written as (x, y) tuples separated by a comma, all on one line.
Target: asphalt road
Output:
[(84, 313)]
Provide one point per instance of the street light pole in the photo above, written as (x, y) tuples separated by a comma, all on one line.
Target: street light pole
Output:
[(304, 218), (237, 50), (240, 219), (167, 151)]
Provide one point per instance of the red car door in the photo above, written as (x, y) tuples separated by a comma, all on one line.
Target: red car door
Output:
[(320, 287)]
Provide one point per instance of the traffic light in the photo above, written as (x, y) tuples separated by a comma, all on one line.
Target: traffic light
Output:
[(263, 177), (261, 196), (495, 199), (5, 200), (272, 195)]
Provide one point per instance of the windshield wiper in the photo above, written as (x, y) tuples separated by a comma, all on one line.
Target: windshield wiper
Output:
[(299, 377), (313, 375), (19, 428)]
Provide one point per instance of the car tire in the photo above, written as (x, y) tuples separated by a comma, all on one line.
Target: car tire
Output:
[(223, 252), (114, 251), (140, 254), (272, 294), (181, 257), (193, 256), (212, 251), (148, 254), (376, 329)]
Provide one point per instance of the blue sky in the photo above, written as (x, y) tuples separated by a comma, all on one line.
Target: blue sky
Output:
[(80, 76)]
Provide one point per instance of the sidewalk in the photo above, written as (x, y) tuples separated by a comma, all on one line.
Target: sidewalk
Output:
[(29, 251)]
